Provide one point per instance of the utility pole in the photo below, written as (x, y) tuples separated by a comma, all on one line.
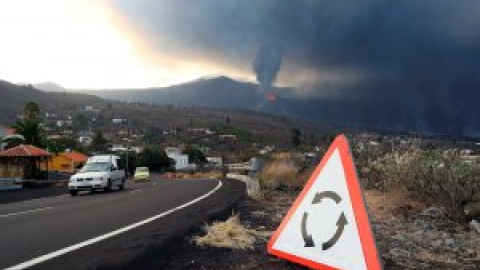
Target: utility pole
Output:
[(126, 164), (127, 169)]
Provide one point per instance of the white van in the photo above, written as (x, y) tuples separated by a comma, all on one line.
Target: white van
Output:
[(100, 172)]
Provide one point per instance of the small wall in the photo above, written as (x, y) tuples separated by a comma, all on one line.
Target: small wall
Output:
[(253, 187), (11, 183)]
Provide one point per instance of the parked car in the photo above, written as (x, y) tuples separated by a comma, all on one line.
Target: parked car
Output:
[(100, 172), (141, 174)]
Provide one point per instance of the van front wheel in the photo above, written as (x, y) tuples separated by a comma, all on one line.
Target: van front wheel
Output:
[(109, 186)]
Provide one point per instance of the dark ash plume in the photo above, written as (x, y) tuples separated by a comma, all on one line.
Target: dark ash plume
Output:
[(267, 64), (396, 65)]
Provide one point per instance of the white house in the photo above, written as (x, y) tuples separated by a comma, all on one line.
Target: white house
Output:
[(118, 148), (85, 140), (91, 108), (119, 121), (228, 136), (209, 132), (181, 160), (217, 161)]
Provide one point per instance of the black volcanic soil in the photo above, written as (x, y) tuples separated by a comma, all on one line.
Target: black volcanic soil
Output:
[(253, 214), (409, 235)]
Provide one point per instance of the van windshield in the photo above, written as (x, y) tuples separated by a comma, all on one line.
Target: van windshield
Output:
[(96, 167)]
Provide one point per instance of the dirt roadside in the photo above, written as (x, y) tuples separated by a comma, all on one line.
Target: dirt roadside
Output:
[(409, 235)]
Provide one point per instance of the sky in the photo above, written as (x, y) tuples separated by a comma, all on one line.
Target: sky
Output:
[(85, 44), (413, 61)]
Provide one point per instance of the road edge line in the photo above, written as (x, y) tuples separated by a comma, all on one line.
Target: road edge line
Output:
[(102, 237)]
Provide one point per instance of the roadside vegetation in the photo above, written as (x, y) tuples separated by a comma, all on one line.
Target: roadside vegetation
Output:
[(284, 172), (436, 177)]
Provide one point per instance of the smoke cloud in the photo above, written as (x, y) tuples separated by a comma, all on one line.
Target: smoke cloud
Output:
[(401, 65), (266, 65)]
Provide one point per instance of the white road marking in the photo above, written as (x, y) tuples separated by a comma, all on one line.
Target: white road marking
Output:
[(26, 212), (135, 190), (99, 238)]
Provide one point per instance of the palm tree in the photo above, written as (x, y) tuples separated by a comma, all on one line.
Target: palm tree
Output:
[(31, 130)]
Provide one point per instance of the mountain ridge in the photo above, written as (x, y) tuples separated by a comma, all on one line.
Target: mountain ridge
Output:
[(370, 110)]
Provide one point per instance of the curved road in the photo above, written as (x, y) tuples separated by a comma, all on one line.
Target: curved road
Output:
[(117, 230)]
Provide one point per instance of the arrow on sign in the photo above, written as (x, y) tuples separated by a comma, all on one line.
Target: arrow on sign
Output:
[(307, 238), (341, 223), (326, 194)]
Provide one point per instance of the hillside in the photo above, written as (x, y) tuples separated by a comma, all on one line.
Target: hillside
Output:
[(369, 109), (145, 116), (221, 92), (15, 96)]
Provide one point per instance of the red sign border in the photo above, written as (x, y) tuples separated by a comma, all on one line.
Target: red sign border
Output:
[(359, 209)]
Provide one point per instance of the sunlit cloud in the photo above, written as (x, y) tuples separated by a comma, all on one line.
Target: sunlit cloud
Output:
[(82, 44)]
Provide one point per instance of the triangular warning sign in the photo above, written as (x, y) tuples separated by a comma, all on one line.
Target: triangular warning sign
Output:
[(328, 226)]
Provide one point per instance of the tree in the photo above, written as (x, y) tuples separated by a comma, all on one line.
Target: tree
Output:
[(31, 130), (62, 144), (99, 143), (155, 159), (81, 121), (132, 162), (296, 133), (31, 111), (195, 155), (246, 154)]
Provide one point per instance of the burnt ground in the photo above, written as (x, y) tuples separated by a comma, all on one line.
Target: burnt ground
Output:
[(262, 215), (409, 235)]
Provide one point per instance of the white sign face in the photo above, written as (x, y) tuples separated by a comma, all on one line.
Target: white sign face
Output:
[(321, 229)]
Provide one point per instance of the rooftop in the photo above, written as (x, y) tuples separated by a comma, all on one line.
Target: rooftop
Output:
[(75, 156), (24, 151)]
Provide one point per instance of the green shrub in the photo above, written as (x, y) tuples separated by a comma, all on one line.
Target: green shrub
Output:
[(389, 171), (433, 176), (444, 178)]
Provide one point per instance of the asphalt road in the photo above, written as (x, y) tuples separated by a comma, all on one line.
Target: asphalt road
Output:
[(116, 230)]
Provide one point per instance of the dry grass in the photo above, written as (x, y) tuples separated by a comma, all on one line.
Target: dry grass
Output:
[(229, 234), (279, 173), (282, 155), (386, 206)]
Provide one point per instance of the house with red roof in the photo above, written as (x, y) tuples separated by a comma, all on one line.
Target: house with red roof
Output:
[(21, 163)]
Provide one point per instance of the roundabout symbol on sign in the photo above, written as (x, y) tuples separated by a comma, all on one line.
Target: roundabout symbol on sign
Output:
[(341, 222)]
